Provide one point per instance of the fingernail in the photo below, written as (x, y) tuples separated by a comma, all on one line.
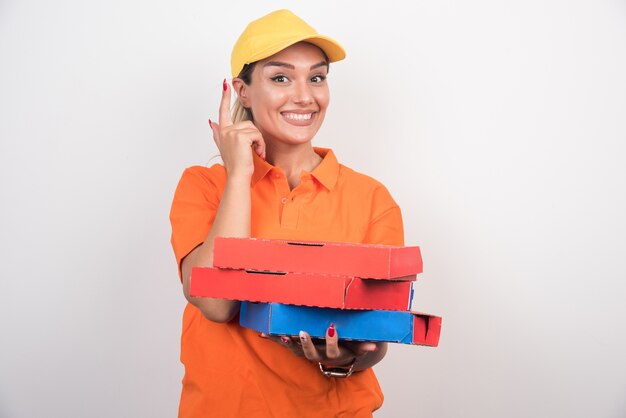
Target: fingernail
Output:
[(210, 124), (375, 348), (224, 85), (285, 340), (331, 330), (263, 335), (302, 336)]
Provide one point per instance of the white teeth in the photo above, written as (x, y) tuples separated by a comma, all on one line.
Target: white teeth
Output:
[(298, 116)]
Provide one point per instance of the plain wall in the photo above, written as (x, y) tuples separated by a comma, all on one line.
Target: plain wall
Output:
[(499, 128)]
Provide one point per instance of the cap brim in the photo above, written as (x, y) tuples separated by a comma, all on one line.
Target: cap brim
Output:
[(333, 50)]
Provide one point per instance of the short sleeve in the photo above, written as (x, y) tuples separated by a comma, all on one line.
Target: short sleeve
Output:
[(385, 226), (194, 208)]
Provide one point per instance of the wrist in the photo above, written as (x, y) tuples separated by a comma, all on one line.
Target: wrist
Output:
[(338, 371), (238, 178)]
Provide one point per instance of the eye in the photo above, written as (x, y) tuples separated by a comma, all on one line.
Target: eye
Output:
[(280, 78), (318, 78)]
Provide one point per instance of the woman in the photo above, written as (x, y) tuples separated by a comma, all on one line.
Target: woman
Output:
[(275, 184)]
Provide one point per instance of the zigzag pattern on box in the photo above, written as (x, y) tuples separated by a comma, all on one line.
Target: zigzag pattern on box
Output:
[(328, 291)]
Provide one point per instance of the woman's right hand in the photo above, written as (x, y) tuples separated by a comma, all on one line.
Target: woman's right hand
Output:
[(235, 140)]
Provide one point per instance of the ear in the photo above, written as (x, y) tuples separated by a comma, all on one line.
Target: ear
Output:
[(241, 89)]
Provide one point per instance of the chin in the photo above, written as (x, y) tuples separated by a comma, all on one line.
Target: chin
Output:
[(300, 139), (295, 139)]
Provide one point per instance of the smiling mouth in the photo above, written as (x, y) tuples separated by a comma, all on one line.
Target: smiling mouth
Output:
[(298, 117)]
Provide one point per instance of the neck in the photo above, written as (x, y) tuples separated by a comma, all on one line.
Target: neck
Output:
[(292, 159)]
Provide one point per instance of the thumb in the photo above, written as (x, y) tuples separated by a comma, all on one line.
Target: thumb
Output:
[(366, 347), (215, 128)]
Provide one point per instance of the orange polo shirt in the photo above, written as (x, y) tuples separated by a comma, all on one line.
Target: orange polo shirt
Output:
[(229, 370)]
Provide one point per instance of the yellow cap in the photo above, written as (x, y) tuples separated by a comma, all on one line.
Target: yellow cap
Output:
[(274, 32)]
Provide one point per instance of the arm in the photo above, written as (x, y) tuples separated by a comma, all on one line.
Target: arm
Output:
[(232, 220), (233, 214)]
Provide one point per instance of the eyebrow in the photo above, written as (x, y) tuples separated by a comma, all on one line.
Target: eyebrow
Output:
[(291, 67)]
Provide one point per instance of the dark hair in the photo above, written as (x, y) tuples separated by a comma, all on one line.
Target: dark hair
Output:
[(246, 72)]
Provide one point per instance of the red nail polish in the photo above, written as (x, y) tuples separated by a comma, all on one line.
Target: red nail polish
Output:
[(375, 348), (331, 330), (285, 340), (210, 124), (224, 85)]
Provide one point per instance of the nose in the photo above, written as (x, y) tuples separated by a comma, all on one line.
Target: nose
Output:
[(302, 94)]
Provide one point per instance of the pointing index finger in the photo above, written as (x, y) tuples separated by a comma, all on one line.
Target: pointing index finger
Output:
[(225, 116)]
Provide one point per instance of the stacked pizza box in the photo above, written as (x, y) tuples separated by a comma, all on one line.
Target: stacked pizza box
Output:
[(285, 287)]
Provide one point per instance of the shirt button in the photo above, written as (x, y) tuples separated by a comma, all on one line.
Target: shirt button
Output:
[(283, 200)]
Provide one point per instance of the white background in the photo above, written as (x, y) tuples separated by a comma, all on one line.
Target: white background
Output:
[(499, 127)]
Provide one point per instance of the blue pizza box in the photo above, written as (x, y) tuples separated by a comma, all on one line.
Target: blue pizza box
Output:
[(404, 327)]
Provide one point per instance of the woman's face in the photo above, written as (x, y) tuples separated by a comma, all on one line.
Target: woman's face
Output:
[(288, 94)]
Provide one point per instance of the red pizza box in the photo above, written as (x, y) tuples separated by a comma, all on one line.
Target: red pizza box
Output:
[(346, 259), (341, 292)]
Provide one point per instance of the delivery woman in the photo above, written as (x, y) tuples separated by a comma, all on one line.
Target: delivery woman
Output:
[(274, 184)]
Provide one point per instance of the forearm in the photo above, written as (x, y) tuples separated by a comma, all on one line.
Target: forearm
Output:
[(232, 220)]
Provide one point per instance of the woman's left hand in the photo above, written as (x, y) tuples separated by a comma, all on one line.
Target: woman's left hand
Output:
[(332, 353)]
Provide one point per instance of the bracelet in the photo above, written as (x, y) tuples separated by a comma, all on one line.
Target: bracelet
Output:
[(338, 371)]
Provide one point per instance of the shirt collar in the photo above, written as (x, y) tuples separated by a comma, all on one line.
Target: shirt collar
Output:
[(261, 168), (326, 172)]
